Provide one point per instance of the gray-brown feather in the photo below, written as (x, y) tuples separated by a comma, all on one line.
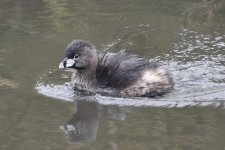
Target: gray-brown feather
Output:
[(132, 75), (121, 69)]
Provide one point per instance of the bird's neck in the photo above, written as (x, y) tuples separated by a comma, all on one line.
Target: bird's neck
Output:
[(85, 80)]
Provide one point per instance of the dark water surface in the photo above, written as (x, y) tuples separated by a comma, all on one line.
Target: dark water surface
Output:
[(39, 111)]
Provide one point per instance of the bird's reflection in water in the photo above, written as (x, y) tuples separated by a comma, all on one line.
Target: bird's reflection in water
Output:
[(83, 126)]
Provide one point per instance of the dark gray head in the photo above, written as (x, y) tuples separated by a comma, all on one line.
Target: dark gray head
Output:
[(80, 55)]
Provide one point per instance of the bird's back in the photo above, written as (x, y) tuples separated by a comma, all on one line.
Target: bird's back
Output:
[(121, 69), (132, 75)]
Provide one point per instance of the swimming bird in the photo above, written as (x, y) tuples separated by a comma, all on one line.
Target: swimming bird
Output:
[(120, 74)]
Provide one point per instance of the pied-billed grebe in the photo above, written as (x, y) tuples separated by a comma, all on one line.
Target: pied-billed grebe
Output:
[(119, 73)]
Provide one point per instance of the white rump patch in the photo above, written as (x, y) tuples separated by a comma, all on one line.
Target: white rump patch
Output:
[(157, 75)]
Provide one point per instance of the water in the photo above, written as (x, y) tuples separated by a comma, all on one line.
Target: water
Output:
[(40, 111)]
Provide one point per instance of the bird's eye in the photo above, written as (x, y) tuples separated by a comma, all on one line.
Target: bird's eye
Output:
[(76, 56)]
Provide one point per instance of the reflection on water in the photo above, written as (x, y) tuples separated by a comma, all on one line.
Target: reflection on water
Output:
[(186, 37), (83, 126), (5, 83), (117, 126)]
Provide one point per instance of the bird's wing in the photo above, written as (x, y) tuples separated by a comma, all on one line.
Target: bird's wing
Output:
[(121, 69)]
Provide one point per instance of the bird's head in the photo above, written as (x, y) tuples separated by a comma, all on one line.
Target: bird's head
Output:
[(80, 55)]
